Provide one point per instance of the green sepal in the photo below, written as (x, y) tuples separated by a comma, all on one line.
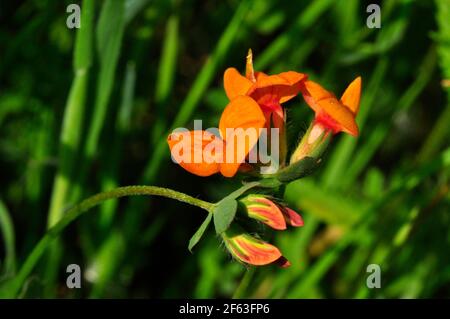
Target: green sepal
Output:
[(224, 214), (199, 233), (297, 170)]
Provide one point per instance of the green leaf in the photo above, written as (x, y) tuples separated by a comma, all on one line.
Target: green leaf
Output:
[(7, 231), (133, 8), (83, 43), (109, 34), (224, 214), (199, 233)]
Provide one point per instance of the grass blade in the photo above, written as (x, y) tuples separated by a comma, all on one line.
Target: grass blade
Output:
[(7, 229)]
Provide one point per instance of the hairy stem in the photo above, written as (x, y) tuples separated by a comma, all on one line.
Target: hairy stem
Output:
[(12, 288)]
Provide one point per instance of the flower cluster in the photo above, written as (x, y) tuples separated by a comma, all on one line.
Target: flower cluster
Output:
[(255, 102)]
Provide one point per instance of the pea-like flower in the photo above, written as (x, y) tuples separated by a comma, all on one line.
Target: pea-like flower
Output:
[(255, 103), (269, 91), (255, 107), (333, 114)]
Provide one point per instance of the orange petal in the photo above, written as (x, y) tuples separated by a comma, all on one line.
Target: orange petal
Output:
[(239, 126), (284, 78), (235, 84), (279, 87), (198, 152), (259, 75), (323, 101), (341, 115), (294, 79), (314, 92), (352, 95)]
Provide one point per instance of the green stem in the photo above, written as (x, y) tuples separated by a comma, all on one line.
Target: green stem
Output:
[(245, 282), (12, 288)]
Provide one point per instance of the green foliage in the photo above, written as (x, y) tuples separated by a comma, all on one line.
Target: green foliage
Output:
[(224, 213), (9, 262), (84, 111), (199, 233)]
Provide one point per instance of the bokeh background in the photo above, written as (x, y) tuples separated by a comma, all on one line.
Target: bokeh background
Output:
[(82, 111)]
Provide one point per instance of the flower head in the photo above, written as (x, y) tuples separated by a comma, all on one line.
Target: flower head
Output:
[(255, 104), (333, 114), (269, 91), (267, 211), (251, 250)]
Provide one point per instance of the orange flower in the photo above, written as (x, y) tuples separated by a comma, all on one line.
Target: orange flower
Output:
[(253, 251), (269, 91), (333, 114), (203, 153), (254, 100)]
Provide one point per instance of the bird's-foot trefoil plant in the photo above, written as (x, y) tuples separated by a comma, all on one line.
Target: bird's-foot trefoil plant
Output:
[(241, 144), (251, 141)]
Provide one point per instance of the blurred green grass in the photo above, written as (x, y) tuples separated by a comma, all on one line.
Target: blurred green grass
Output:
[(88, 110)]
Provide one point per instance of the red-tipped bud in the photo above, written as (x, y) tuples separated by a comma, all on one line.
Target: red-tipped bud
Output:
[(253, 251), (274, 215), (264, 210)]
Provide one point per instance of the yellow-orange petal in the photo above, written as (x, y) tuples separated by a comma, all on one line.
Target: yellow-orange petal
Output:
[(279, 87), (198, 152), (323, 101), (260, 75), (352, 95), (285, 78), (294, 79), (341, 115), (314, 92), (239, 126), (235, 84)]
